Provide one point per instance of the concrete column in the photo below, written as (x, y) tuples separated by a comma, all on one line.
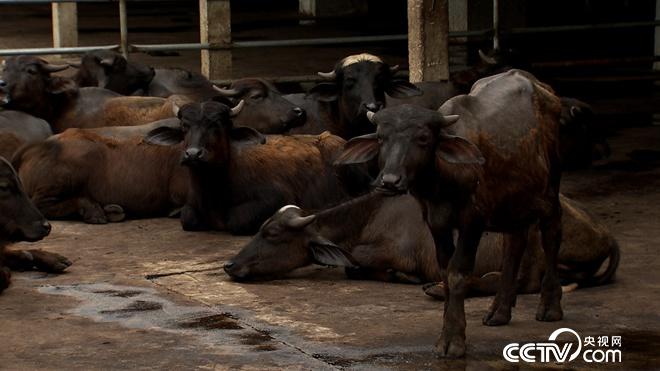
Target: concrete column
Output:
[(656, 65), (307, 8), (65, 24), (428, 41), (215, 29)]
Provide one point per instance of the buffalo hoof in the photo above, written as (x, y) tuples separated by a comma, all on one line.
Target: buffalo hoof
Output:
[(435, 290), (49, 262), (93, 217), (549, 313), (114, 213), (498, 317), (5, 278), (451, 346)]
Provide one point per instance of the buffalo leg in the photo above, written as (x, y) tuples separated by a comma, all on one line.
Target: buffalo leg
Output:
[(192, 219), (486, 285), (461, 264), (550, 306), (5, 278), (500, 310), (89, 210), (23, 260)]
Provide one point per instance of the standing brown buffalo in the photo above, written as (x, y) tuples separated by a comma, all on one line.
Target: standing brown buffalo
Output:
[(238, 177), (496, 168), (21, 221)]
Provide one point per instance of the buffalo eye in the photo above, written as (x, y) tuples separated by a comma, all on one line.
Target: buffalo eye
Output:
[(349, 82), (31, 70), (5, 188), (185, 126), (257, 97), (424, 140)]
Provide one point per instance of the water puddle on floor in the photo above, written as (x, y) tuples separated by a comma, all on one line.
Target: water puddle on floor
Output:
[(143, 308)]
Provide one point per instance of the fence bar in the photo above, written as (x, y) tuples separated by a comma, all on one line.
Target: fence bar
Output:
[(496, 25), (123, 28), (45, 51), (585, 27), (21, 2)]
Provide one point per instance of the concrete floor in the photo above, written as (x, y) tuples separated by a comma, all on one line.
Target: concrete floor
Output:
[(144, 294)]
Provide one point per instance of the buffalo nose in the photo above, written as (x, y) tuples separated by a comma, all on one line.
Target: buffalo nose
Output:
[(228, 265), (391, 180), (194, 153), (46, 226), (298, 111), (374, 106)]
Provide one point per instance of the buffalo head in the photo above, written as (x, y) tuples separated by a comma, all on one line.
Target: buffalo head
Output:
[(207, 131), (359, 83), (409, 141), (285, 242), (19, 218), (110, 70), (27, 85), (265, 108)]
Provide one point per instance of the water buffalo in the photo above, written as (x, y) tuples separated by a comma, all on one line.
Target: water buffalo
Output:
[(356, 85), (110, 70), (388, 240), (18, 128), (581, 142), (27, 85), (504, 177), (81, 174), (238, 177), (21, 221)]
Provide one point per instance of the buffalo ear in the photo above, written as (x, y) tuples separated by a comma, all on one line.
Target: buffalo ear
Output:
[(324, 252), (164, 136), (325, 91), (246, 135), (457, 150), (402, 89), (61, 85), (359, 149)]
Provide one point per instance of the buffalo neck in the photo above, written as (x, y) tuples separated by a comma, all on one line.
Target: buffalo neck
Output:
[(346, 221)]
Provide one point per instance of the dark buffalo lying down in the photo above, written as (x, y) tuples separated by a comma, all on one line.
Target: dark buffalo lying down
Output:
[(356, 85), (18, 128), (497, 168), (388, 240), (265, 108), (21, 221), (27, 85), (78, 173), (110, 70), (237, 183)]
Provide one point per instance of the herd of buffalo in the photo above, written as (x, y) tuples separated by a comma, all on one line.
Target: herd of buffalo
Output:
[(454, 184)]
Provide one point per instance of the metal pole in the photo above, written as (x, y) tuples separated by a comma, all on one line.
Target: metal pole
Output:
[(123, 28), (496, 25), (45, 51)]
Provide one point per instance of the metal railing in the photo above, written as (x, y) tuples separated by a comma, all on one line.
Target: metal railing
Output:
[(125, 47)]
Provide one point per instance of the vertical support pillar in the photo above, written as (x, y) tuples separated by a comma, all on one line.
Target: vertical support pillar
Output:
[(496, 25), (123, 28), (428, 41), (215, 29), (307, 8), (656, 65), (458, 22), (65, 24)]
